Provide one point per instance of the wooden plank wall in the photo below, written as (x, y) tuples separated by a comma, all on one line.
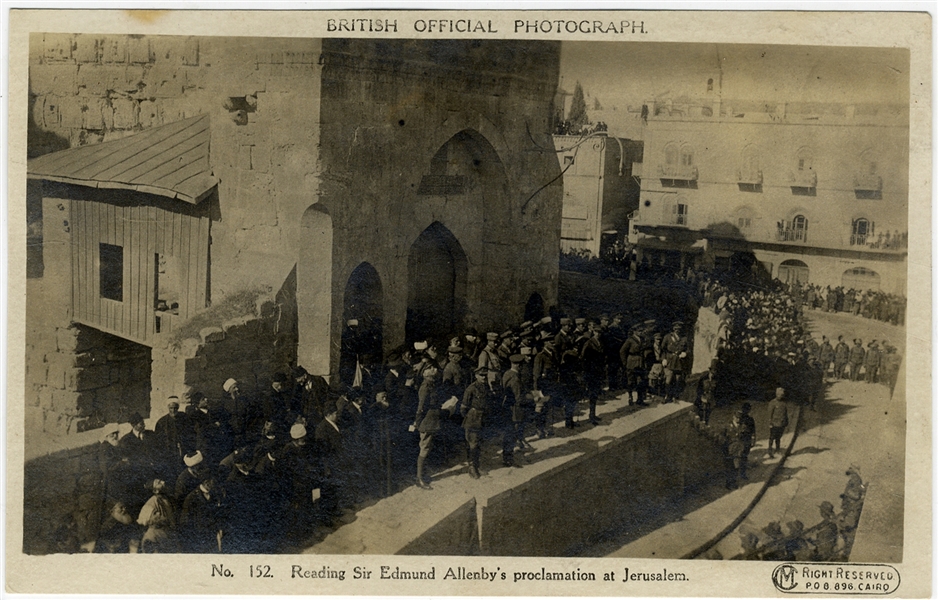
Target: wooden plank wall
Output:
[(142, 231)]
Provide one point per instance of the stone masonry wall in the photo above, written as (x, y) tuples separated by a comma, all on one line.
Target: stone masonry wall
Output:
[(84, 379), (249, 348)]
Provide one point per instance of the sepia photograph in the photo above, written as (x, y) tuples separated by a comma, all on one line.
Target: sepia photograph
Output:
[(562, 293)]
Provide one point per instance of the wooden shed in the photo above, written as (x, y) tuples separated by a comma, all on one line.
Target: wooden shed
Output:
[(138, 226)]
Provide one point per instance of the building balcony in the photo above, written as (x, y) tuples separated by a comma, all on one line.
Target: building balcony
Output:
[(803, 179), (749, 177), (894, 241), (791, 235), (868, 183), (677, 172)]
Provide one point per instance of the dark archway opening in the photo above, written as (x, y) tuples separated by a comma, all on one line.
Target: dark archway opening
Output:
[(436, 298), (362, 322), (534, 309)]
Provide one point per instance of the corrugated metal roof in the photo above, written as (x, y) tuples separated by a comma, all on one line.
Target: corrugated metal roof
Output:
[(170, 160)]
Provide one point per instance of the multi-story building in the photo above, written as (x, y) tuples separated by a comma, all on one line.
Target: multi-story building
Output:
[(599, 192), (812, 192)]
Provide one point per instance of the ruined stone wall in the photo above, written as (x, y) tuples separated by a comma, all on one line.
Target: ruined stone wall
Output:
[(250, 347)]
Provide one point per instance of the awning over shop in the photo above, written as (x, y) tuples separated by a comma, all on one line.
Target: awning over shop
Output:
[(653, 243), (171, 160)]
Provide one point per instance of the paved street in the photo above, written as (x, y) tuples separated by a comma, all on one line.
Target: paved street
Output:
[(856, 423)]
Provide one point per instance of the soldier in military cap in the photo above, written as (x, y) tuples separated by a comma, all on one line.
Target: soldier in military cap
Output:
[(857, 355), (512, 411), (563, 341), (593, 365), (546, 381), (841, 356), (489, 359), (632, 358), (475, 405), (675, 348)]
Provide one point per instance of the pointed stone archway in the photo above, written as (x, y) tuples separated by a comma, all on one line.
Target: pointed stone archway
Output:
[(436, 272), (362, 322)]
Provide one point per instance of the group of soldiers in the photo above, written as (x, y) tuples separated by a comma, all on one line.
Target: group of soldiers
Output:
[(830, 540), (873, 364), (871, 304), (502, 383), (252, 473)]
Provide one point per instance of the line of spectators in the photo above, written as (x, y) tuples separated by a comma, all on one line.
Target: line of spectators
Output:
[(871, 304)]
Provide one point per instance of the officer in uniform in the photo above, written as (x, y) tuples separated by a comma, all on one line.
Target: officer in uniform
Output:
[(475, 404), (841, 356), (488, 359), (593, 363), (563, 340), (826, 354), (633, 362), (857, 354), (675, 348), (547, 382), (872, 362), (512, 411)]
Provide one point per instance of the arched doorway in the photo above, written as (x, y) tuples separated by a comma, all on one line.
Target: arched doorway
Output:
[(314, 292), (793, 271), (534, 309), (362, 322), (436, 274), (860, 278)]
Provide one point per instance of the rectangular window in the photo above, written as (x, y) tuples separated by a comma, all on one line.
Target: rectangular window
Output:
[(568, 160), (744, 222), (112, 271)]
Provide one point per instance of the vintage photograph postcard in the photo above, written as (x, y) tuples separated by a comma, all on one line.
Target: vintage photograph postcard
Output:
[(469, 303)]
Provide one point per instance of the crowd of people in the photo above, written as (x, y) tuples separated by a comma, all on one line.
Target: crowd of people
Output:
[(254, 473), (871, 304)]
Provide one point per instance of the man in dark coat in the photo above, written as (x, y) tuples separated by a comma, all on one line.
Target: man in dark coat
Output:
[(190, 477), (169, 434), (138, 447), (304, 471), (328, 440), (201, 521), (742, 438), (593, 365)]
